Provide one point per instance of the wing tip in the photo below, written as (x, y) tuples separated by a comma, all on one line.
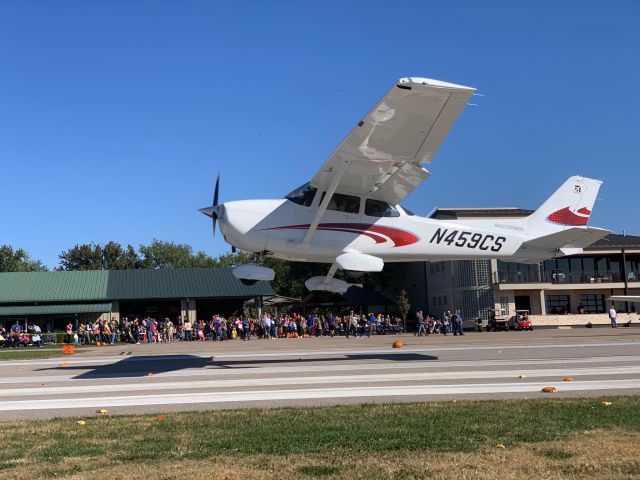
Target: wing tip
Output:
[(430, 82)]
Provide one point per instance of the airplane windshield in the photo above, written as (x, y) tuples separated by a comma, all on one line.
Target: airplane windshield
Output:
[(408, 212), (302, 195)]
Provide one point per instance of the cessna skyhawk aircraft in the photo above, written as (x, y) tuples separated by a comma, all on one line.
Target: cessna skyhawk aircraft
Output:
[(349, 215)]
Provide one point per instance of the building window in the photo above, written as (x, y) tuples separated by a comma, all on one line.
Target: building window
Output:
[(442, 267), (444, 300), (434, 301), (558, 304), (504, 304), (592, 303), (431, 268)]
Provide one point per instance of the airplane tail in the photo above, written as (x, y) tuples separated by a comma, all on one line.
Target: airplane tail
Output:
[(569, 206), (559, 225)]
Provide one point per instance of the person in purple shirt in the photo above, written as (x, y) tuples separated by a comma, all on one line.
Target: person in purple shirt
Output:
[(331, 320)]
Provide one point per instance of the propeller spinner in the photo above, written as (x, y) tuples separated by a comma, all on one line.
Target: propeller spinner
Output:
[(214, 210)]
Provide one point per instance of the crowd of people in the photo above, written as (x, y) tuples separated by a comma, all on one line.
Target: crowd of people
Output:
[(449, 323), (151, 330), (16, 336)]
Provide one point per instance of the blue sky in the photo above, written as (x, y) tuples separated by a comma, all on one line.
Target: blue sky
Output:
[(116, 117)]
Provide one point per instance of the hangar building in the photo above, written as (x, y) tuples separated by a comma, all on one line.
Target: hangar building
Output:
[(55, 298)]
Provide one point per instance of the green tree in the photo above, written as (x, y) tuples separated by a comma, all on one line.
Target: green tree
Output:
[(402, 301), (87, 256), (115, 257), (173, 255), (290, 276), (92, 256), (18, 261), (232, 259)]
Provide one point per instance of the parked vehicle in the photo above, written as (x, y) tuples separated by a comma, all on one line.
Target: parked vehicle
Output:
[(521, 321), (498, 320)]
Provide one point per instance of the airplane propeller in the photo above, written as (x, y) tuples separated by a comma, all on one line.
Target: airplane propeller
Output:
[(214, 210)]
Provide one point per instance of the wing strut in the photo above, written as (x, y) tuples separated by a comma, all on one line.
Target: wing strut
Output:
[(325, 201)]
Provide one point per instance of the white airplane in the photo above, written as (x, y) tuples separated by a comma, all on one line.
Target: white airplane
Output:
[(349, 215)]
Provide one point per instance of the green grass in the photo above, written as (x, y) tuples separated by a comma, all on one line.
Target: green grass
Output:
[(32, 353), (355, 442), (366, 429)]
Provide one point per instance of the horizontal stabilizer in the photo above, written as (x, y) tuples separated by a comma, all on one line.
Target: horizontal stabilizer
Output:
[(569, 238), (571, 251)]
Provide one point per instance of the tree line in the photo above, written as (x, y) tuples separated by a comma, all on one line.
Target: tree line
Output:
[(289, 279)]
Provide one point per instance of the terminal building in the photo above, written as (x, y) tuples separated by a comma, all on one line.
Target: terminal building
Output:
[(570, 290), (52, 299)]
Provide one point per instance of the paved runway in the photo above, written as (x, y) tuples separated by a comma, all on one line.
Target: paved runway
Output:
[(264, 373)]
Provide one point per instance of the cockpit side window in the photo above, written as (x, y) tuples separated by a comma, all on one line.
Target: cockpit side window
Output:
[(378, 208), (302, 195), (343, 203)]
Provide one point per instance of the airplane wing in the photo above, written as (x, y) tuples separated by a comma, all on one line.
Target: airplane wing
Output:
[(382, 155)]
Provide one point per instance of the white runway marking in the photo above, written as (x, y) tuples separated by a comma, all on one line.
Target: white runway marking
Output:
[(318, 380), (300, 394), (215, 371), (156, 356), (48, 388)]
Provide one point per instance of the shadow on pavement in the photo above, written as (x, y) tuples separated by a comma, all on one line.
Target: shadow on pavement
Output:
[(142, 366)]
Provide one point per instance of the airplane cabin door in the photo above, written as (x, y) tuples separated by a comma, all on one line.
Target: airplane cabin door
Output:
[(337, 228)]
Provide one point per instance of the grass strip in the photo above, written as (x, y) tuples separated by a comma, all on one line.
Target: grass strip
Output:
[(33, 353), (462, 426)]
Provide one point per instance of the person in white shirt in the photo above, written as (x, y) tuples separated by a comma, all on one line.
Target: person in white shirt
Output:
[(612, 316), (266, 326)]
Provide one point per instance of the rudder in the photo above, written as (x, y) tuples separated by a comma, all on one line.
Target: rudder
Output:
[(570, 206)]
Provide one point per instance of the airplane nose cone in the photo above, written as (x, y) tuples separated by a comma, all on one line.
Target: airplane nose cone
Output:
[(212, 211)]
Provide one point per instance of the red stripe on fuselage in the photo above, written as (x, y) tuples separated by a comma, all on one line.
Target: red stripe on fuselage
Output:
[(400, 238)]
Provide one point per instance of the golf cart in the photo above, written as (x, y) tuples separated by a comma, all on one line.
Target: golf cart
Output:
[(498, 320), (521, 321)]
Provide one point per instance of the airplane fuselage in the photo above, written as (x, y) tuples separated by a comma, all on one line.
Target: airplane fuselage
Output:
[(279, 227)]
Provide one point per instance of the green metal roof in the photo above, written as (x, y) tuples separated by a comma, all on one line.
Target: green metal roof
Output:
[(108, 285), (181, 283), (20, 310), (78, 286)]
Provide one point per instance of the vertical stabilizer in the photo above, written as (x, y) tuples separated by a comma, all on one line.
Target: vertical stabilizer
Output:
[(569, 206)]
